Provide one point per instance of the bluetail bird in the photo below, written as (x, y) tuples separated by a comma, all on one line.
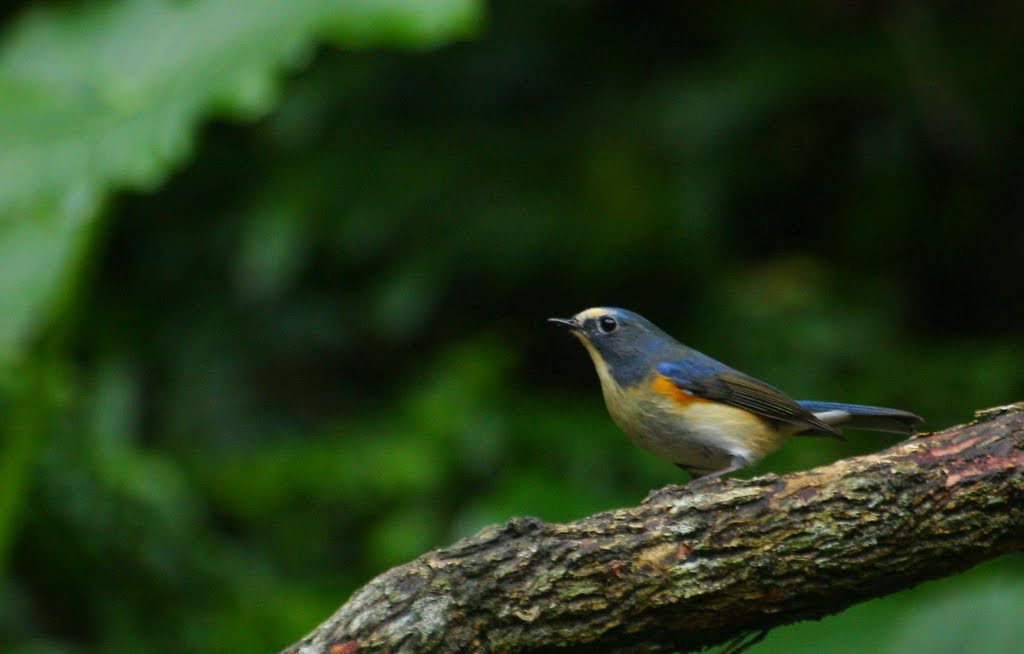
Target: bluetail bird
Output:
[(696, 412)]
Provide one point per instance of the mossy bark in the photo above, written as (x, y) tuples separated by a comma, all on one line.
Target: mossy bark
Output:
[(691, 568)]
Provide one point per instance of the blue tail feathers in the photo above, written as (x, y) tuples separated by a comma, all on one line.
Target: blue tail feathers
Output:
[(859, 416)]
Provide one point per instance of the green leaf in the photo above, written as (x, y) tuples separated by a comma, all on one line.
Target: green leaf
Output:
[(38, 257), (105, 96)]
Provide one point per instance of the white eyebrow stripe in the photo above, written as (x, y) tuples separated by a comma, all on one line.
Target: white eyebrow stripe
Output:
[(587, 314)]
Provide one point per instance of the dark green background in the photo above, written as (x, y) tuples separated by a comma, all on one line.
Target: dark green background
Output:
[(312, 345)]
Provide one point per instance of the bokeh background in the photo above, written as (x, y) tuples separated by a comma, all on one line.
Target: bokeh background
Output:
[(274, 275)]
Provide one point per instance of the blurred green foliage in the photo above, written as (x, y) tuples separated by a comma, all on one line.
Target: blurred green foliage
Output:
[(247, 365)]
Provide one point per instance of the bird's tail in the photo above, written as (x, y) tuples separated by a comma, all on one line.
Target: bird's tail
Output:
[(859, 416)]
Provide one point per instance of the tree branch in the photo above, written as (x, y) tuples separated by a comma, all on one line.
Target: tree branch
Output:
[(687, 569)]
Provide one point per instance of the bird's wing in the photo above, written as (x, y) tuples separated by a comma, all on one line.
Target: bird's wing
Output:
[(743, 391)]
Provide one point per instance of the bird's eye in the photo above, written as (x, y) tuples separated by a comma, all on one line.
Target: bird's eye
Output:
[(607, 325)]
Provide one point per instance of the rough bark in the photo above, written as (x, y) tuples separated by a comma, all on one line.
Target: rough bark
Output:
[(691, 568)]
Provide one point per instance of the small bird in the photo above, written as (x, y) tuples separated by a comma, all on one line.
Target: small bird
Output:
[(702, 415)]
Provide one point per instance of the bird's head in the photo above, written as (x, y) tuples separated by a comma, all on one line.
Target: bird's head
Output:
[(622, 344)]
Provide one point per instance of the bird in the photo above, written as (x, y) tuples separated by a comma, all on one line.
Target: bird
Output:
[(698, 413)]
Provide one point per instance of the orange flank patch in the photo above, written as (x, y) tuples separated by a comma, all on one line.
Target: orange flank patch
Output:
[(665, 386)]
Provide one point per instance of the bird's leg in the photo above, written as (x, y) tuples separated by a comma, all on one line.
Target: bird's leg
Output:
[(738, 463)]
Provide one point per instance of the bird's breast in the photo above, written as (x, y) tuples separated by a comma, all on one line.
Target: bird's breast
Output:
[(685, 429)]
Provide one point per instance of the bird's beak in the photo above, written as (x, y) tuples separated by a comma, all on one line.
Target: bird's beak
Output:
[(571, 323)]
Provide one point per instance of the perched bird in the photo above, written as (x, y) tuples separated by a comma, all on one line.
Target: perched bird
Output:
[(700, 414)]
